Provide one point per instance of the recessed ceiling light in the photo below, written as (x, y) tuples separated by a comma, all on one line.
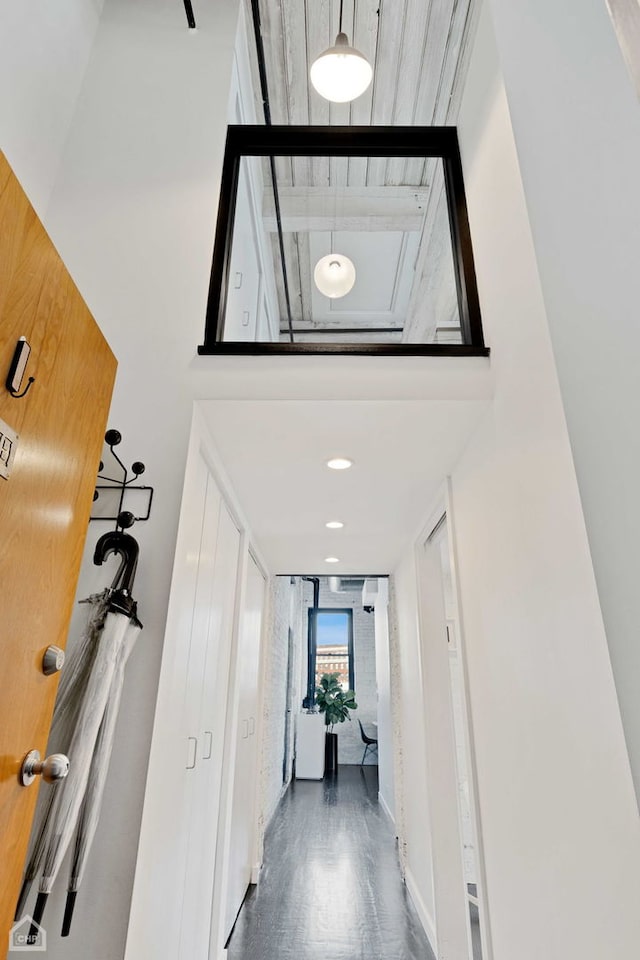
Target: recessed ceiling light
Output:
[(331, 560), (339, 463), (334, 524)]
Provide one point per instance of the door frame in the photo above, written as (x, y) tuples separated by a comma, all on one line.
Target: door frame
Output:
[(443, 511)]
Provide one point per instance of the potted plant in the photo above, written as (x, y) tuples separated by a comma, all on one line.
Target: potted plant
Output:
[(335, 703)]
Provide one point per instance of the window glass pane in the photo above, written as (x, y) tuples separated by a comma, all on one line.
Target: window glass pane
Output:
[(332, 646), (387, 216)]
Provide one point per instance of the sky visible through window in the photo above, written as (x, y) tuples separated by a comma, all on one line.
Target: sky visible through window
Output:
[(332, 629)]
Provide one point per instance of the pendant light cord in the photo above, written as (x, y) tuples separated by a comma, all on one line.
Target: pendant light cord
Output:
[(340, 23), (262, 70)]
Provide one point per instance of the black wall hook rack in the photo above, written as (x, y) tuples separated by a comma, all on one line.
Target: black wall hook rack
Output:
[(114, 490)]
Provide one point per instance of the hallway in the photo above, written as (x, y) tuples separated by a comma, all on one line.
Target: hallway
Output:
[(330, 884)]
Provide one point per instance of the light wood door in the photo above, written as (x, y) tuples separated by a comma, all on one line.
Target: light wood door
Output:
[(45, 504)]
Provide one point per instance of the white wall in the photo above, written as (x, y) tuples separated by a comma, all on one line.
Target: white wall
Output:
[(386, 750), (577, 131), (44, 52), (560, 824), (133, 215), (414, 828), (284, 597)]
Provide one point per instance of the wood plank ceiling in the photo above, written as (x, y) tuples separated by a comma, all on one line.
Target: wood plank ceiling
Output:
[(419, 51)]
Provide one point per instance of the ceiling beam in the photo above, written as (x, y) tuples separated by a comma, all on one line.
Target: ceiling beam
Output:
[(364, 209)]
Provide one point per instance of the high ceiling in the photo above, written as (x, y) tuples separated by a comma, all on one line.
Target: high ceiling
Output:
[(403, 421), (418, 49)]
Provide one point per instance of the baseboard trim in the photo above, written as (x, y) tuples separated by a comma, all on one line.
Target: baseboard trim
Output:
[(425, 917), (385, 808)]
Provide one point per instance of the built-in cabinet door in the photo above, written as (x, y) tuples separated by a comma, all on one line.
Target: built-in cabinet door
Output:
[(206, 713), (245, 271), (243, 815)]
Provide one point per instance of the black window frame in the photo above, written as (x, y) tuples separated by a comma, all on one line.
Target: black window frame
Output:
[(327, 141), (312, 623)]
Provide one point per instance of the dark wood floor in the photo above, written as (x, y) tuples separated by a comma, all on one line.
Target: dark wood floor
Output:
[(330, 886)]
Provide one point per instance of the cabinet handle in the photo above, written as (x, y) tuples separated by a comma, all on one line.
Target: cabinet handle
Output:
[(192, 763), (245, 729), (209, 747), (252, 726)]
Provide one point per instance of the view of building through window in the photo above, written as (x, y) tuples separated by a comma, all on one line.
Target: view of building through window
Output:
[(332, 645)]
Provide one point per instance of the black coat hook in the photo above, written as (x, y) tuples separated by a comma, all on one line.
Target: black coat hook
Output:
[(17, 370)]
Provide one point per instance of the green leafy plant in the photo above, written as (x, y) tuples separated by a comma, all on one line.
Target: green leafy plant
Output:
[(333, 701)]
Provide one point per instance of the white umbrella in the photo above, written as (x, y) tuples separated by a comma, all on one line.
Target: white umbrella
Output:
[(73, 682), (84, 720), (92, 802)]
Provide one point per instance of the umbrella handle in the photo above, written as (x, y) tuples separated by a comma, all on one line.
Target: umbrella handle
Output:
[(68, 912), (127, 547)]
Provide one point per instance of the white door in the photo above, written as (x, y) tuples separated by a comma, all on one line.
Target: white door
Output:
[(245, 270), (205, 714), (458, 868), (175, 868), (243, 817)]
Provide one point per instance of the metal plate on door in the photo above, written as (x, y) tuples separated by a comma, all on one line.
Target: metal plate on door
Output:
[(8, 447)]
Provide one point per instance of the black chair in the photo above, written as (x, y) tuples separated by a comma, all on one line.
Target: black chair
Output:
[(370, 743)]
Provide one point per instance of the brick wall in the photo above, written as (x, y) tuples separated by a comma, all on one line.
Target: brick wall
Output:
[(285, 612)]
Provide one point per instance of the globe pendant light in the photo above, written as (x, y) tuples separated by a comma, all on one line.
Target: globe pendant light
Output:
[(341, 73), (334, 275)]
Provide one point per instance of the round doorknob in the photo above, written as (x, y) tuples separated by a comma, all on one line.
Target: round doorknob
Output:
[(52, 660), (54, 768)]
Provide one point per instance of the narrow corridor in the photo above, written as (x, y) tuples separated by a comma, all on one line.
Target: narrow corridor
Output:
[(330, 885)]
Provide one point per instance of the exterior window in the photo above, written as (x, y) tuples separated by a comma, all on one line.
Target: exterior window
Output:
[(331, 646)]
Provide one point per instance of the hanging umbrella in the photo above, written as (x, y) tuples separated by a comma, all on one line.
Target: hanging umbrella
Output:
[(90, 811), (73, 683), (84, 717)]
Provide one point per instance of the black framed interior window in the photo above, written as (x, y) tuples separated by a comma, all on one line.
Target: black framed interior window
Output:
[(330, 647), (343, 240)]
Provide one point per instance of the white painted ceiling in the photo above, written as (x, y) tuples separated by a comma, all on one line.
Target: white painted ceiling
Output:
[(419, 50), (275, 452)]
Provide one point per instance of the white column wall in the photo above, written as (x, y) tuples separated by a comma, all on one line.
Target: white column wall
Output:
[(560, 825), (415, 833), (386, 751), (274, 697), (576, 124)]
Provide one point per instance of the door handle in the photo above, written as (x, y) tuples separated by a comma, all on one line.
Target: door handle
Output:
[(193, 740), (52, 660), (209, 747), (54, 768)]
